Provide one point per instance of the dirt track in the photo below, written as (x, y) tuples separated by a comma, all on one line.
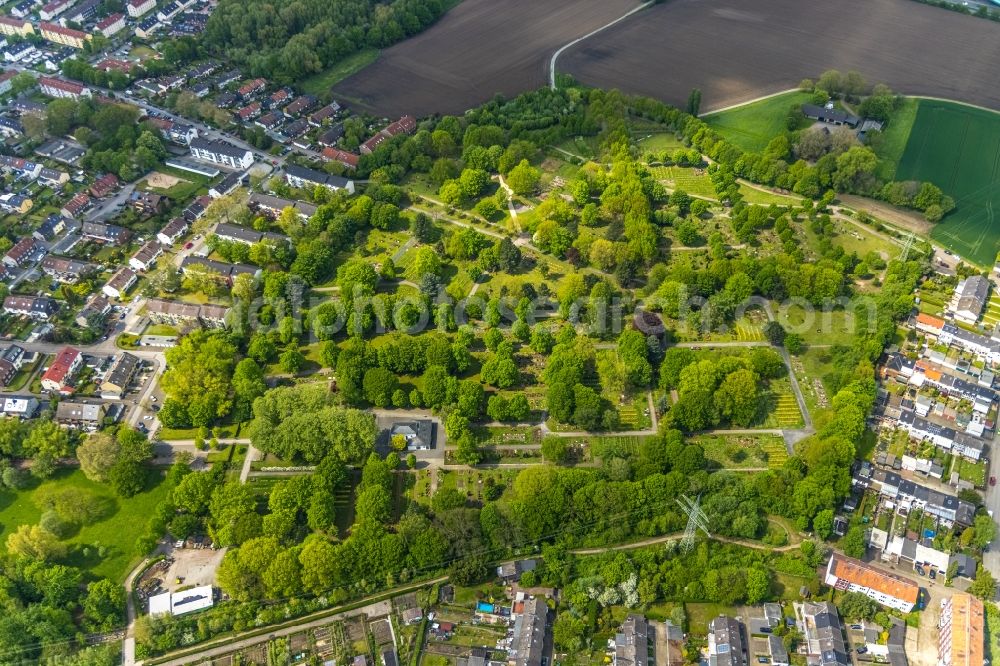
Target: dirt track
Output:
[(735, 50), (479, 49)]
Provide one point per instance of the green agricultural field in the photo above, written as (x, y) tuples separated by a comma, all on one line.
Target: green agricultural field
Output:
[(115, 532), (957, 147), (753, 125)]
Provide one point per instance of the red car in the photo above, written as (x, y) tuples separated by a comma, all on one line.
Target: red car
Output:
[(993, 480), (188, 246)]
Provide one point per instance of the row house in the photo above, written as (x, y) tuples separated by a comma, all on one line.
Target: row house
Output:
[(64, 269), (137, 8), (146, 203), (226, 272), (197, 208), (272, 206), (909, 494), (50, 228), (960, 443), (220, 152), (11, 127), (405, 125), (22, 251), (324, 114), (301, 177), (331, 136), (23, 9), (120, 283), (74, 414), (249, 112), (53, 9), (181, 134), (172, 231), (175, 313), (59, 377), (823, 634), (251, 88), (850, 575), (268, 121), (240, 234), (77, 205), (20, 51), (57, 34), (103, 232), (15, 203), (929, 373), (94, 312), (226, 185), (23, 169), (147, 27), (119, 376), (82, 12), (348, 159), (146, 257), (11, 360), (299, 106), (295, 129), (61, 88), (112, 24), (52, 177), (961, 631), (40, 308), (104, 185), (5, 80)]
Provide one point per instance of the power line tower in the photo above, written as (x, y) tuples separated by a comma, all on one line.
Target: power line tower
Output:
[(907, 246), (697, 520)]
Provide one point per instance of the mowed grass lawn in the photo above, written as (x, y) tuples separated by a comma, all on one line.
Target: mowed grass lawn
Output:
[(753, 125), (957, 148), (116, 532), (698, 183), (319, 84)]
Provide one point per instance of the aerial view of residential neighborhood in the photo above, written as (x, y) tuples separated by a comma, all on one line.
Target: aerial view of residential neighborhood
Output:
[(499, 332)]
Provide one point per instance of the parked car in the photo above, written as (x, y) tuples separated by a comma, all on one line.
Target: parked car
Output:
[(933, 574), (993, 480), (188, 245), (920, 570)]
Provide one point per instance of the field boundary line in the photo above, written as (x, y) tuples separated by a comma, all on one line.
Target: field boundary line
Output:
[(555, 56), (955, 101), (706, 114)]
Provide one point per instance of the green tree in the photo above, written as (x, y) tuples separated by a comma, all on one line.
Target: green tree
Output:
[(523, 179), (823, 523), (758, 586), (694, 102), (555, 449)]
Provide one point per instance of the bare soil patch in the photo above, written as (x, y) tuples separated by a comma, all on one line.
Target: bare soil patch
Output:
[(480, 48), (897, 217), (163, 181), (737, 50)]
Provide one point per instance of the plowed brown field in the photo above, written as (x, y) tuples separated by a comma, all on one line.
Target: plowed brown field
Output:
[(479, 48), (736, 50)]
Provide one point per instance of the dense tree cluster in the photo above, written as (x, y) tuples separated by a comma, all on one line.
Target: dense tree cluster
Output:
[(289, 43)]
